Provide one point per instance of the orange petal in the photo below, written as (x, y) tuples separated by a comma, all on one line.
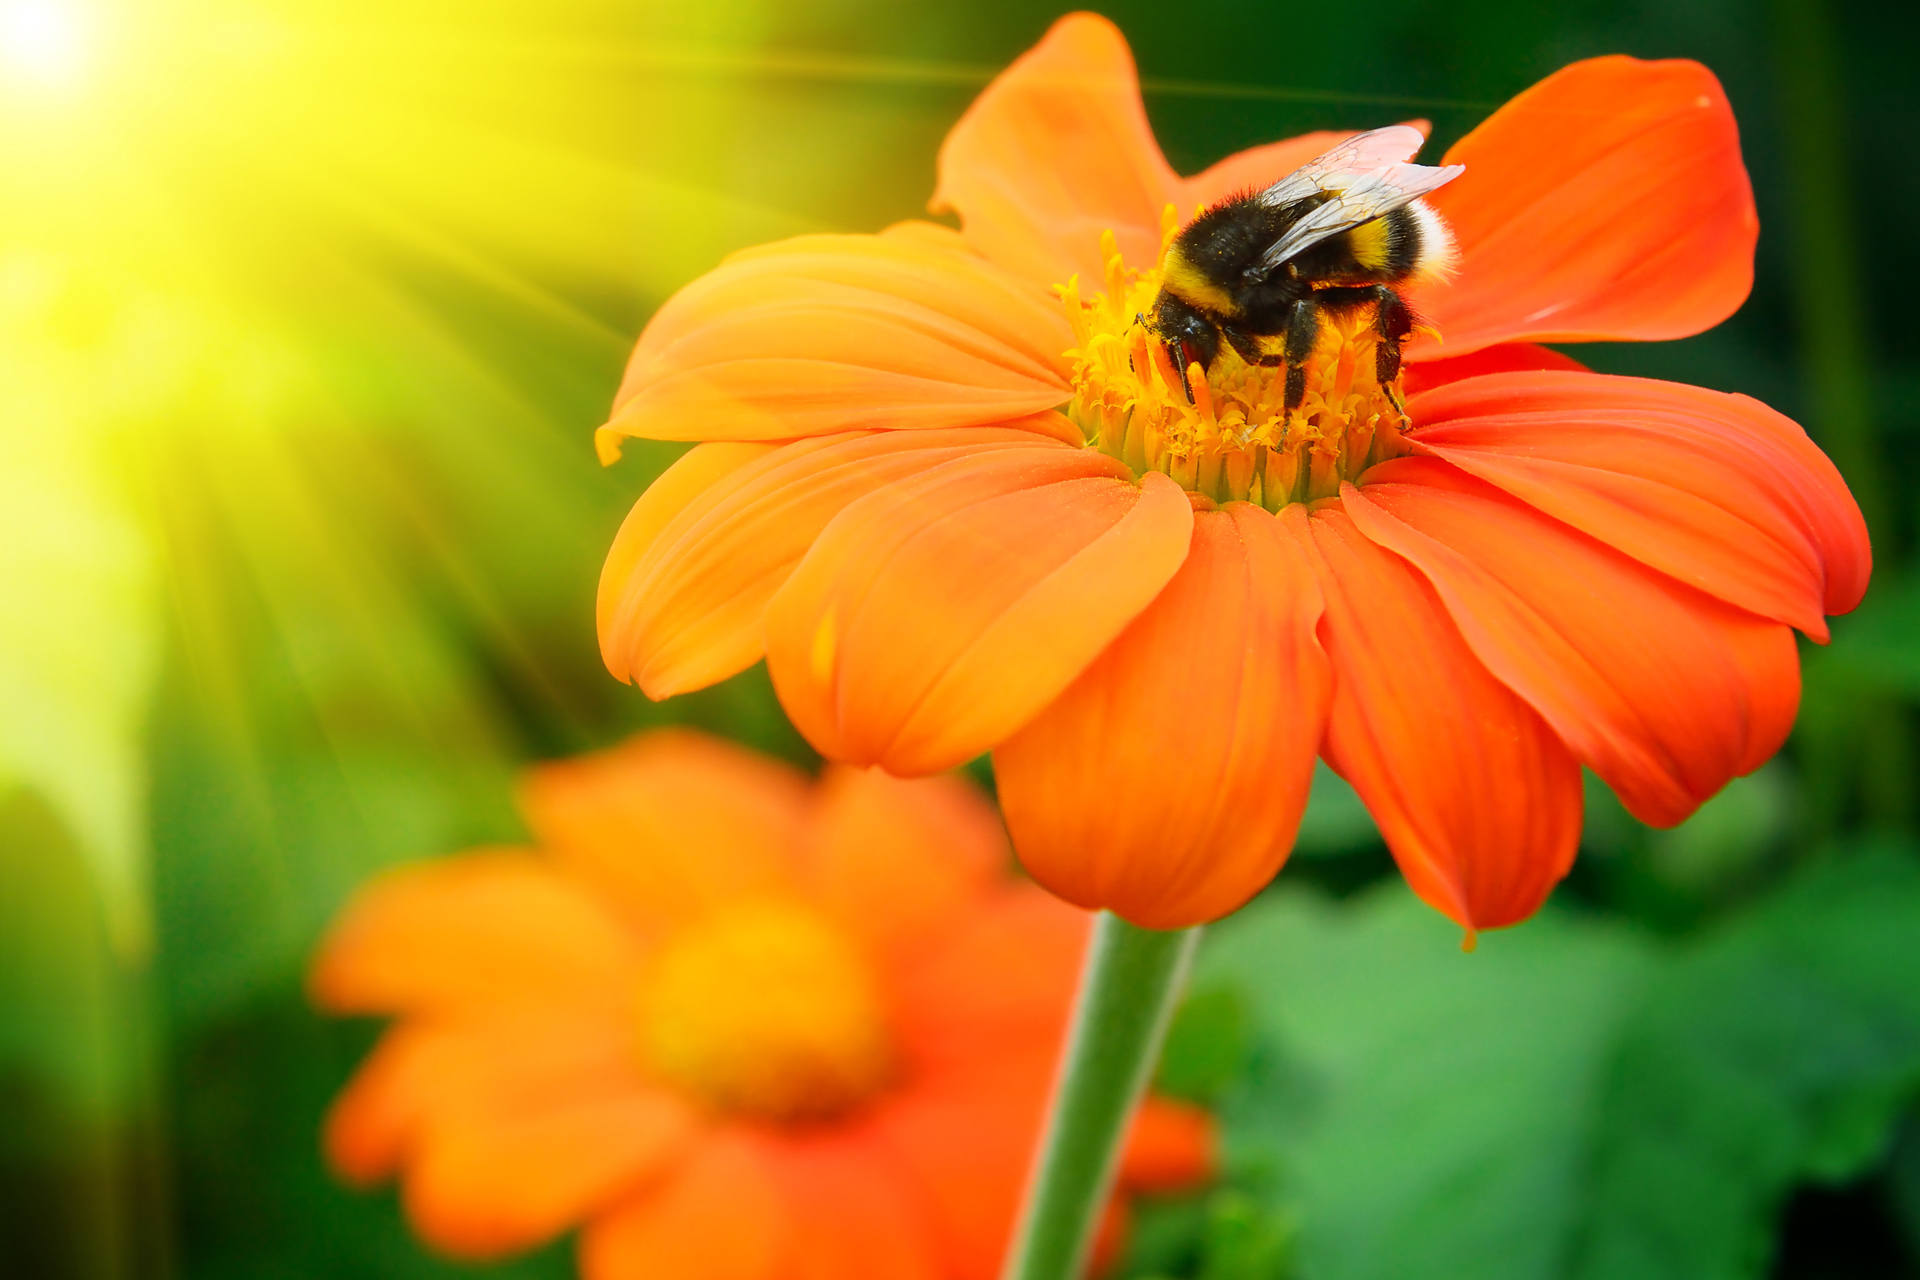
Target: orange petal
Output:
[(1171, 1147), (1055, 151), (481, 1190), (856, 1211), (1167, 782), (720, 1216), (473, 932), (902, 862), (509, 1133), (697, 471), (1478, 799), (1639, 675), (935, 616), (1607, 202), (423, 1070), (841, 333), (671, 823), (1508, 357), (688, 608), (1716, 490), (373, 1125)]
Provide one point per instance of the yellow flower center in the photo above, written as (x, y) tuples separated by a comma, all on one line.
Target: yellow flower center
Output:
[(1234, 440), (769, 1010)]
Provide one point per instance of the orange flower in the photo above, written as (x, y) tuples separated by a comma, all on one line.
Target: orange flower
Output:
[(951, 495), (737, 1025)]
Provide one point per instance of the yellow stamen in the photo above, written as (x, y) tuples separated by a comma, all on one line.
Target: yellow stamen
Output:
[(1233, 440), (767, 1010)]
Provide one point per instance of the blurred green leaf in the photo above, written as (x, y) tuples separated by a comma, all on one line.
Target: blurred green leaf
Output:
[(1246, 1239), (1731, 833), (258, 1202), (1207, 1044), (1336, 820), (1877, 642), (1903, 1180), (1221, 1234), (80, 1145), (1573, 1100), (1779, 1049), (1424, 1108)]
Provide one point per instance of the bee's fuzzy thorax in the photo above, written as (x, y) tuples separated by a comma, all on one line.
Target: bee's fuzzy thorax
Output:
[(1439, 253)]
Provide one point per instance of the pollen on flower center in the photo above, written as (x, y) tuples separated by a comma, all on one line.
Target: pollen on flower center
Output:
[(1234, 439), (770, 1010)]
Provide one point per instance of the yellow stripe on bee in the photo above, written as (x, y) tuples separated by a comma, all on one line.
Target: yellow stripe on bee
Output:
[(1191, 285), (1371, 244)]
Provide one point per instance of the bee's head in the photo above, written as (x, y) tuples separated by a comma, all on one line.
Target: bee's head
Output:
[(1219, 254)]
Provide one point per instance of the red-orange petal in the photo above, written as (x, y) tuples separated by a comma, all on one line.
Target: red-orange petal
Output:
[(476, 932), (842, 333), (1477, 797), (1055, 151), (687, 608), (937, 615), (1172, 1146), (968, 1141), (1508, 357), (671, 824), (719, 1216), (1771, 661), (856, 1211), (1167, 782), (1716, 490), (902, 862), (1640, 676), (1003, 981), (1609, 201)]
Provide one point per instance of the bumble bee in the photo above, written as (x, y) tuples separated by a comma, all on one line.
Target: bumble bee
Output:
[(1339, 233)]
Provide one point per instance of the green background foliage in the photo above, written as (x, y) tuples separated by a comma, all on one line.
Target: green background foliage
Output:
[(299, 540)]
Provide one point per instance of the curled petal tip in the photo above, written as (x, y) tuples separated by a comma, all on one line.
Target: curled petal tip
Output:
[(607, 444)]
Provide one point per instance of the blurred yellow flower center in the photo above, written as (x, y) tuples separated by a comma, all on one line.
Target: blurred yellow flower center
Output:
[(1233, 441), (768, 1010)]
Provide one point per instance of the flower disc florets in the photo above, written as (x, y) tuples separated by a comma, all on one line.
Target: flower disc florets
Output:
[(1234, 440), (767, 1010)]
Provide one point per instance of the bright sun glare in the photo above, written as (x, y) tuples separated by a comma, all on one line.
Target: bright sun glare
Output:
[(42, 41)]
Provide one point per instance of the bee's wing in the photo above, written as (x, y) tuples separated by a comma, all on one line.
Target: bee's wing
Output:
[(1374, 149), (1366, 176)]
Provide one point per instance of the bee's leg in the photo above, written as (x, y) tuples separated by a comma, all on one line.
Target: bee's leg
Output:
[(1393, 321), (1399, 406), (1303, 326), (1248, 347), (1177, 357)]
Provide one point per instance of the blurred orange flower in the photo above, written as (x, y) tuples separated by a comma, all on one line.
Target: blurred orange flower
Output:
[(959, 510), (735, 1024)]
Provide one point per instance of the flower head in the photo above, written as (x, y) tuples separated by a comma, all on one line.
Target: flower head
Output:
[(733, 1024), (961, 504)]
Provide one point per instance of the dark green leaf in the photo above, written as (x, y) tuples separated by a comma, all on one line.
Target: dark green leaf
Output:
[(1425, 1108), (1573, 1101), (1781, 1049)]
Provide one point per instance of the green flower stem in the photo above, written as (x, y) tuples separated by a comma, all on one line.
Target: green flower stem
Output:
[(1132, 979)]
